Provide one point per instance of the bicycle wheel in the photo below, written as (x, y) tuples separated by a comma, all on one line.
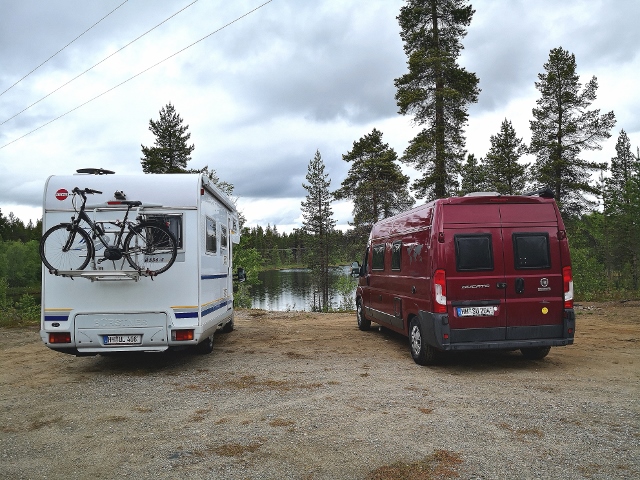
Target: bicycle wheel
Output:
[(150, 248), (66, 248)]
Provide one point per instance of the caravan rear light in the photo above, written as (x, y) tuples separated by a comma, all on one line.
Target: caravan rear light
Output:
[(60, 337), (567, 279), (182, 335), (439, 292)]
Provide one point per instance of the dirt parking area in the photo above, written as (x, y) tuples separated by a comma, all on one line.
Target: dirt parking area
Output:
[(309, 396)]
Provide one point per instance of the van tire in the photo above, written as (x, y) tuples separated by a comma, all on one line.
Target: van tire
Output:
[(205, 347), (422, 353), (535, 353), (363, 323)]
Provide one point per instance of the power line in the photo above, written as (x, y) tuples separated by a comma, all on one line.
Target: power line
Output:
[(138, 74), (101, 61), (125, 1)]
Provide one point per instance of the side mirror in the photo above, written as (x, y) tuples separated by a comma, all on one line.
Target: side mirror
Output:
[(355, 269), (241, 276)]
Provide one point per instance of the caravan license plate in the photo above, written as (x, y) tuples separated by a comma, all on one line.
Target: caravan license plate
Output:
[(122, 339), (476, 311)]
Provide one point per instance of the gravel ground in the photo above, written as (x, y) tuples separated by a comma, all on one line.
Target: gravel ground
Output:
[(309, 396)]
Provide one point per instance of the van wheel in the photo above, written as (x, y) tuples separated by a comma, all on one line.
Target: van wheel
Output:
[(363, 323), (422, 353), (535, 353), (228, 327), (205, 347)]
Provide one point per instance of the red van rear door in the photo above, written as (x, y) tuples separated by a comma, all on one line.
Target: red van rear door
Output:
[(533, 271), (475, 272)]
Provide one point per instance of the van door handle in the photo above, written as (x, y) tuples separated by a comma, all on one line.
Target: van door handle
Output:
[(501, 285)]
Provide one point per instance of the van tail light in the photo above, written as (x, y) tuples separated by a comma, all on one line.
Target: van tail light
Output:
[(567, 280), (439, 292)]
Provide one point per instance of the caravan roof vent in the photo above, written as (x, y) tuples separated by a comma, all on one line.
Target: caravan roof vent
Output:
[(95, 171), (543, 192), (482, 194)]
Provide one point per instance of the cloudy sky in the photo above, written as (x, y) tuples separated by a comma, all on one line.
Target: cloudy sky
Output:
[(261, 95)]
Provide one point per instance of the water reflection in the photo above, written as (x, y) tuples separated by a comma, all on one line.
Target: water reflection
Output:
[(295, 289)]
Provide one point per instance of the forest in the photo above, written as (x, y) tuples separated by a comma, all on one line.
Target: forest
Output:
[(599, 200)]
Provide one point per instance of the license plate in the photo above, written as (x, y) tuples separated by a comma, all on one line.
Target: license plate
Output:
[(122, 339), (476, 311)]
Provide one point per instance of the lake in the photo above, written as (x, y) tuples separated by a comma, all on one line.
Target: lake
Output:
[(294, 289)]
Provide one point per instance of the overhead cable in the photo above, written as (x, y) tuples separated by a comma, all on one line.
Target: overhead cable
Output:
[(138, 74), (101, 61), (125, 1)]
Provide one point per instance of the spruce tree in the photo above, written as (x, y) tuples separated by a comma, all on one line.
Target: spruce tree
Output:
[(473, 176), (562, 128), (503, 172), (170, 152), (318, 222), (436, 90), (375, 183), (622, 210)]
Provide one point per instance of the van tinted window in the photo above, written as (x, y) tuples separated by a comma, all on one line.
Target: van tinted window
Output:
[(396, 250), (377, 263), (531, 250), (473, 252)]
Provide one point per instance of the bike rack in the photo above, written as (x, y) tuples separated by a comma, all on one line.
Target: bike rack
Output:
[(109, 275), (101, 275)]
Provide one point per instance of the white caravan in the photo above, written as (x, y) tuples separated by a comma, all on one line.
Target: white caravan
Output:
[(111, 307)]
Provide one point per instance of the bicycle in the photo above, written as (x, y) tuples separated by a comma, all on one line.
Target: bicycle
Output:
[(147, 245)]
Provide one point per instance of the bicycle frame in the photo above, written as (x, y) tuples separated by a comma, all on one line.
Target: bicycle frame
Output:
[(97, 230)]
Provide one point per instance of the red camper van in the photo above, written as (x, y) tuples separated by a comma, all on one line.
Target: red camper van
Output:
[(484, 271)]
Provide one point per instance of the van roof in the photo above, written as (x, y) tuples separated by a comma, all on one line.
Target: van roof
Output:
[(419, 217)]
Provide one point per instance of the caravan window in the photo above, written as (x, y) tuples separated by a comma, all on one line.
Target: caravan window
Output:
[(212, 238), (377, 263), (173, 222), (531, 250), (224, 242), (473, 252)]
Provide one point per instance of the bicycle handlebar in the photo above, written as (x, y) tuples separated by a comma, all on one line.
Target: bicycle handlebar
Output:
[(86, 190)]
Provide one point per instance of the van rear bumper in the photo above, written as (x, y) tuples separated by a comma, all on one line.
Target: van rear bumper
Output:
[(438, 334)]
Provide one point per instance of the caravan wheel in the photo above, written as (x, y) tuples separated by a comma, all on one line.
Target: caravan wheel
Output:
[(205, 347), (228, 327)]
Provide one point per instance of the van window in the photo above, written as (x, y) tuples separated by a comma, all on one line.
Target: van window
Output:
[(473, 252), (396, 250), (173, 222), (377, 263), (531, 250), (211, 240)]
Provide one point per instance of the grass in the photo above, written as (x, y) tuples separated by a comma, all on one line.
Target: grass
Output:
[(236, 449), (441, 464)]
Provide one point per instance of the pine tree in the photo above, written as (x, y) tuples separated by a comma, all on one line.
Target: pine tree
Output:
[(503, 172), (436, 90), (170, 152), (375, 182), (562, 128), (473, 176), (622, 210), (318, 222)]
